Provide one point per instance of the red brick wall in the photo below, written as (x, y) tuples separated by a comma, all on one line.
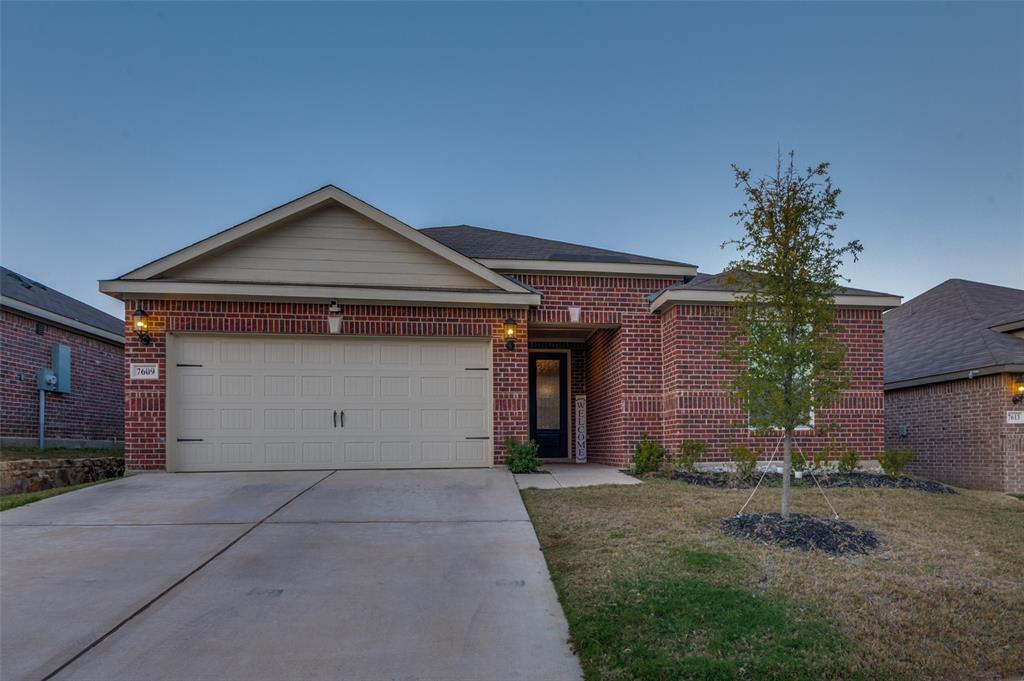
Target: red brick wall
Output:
[(959, 433), (93, 410), (697, 406), (623, 365), (145, 418)]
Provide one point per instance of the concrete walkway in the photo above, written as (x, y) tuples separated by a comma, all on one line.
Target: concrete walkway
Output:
[(291, 575), (559, 475)]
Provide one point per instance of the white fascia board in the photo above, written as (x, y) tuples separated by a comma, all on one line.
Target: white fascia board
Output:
[(307, 202), (724, 297), (574, 267), (188, 290), (68, 322)]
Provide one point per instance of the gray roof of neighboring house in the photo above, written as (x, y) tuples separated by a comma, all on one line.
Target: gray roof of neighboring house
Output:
[(479, 242), (948, 329), (720, 282), (21, 288)]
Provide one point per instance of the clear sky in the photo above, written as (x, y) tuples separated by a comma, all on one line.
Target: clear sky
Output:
[(130, 130)]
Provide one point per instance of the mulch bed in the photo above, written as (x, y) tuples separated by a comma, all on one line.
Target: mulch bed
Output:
[(802, 532), (832, 480)]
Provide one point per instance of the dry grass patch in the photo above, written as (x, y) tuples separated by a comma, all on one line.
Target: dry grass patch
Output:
[(647, 567)]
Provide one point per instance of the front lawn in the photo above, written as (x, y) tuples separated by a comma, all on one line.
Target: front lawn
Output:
[(653, 590), (9, 501), (14, 453)]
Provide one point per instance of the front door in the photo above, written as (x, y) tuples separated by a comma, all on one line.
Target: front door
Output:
[(549, 404)]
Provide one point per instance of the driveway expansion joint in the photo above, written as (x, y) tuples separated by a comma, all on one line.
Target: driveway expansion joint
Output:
[(181, 581)]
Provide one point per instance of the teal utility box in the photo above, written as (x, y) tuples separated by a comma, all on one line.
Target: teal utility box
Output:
[(60, 362)]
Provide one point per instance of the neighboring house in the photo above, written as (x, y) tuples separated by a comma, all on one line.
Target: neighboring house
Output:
[(33, 319), (450, 340), (954, 364)]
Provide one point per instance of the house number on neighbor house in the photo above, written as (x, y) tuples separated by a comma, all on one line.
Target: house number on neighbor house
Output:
[(145, 372), (1015, 417)]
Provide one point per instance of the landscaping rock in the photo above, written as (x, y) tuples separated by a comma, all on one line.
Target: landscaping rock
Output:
[(832, 480), (34, 475), (802, 532)]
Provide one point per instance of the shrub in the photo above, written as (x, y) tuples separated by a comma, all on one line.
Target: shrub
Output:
[(690, 452), (647, 456), (745, 459), (822, 461), (893, 461), (521, 456), (799, 461), (849, 460)]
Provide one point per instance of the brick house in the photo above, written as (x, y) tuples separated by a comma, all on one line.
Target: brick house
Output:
[(954, 384), (328, 334), (33, 319)]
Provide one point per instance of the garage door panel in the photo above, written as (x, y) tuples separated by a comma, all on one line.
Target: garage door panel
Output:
[(270, 403)]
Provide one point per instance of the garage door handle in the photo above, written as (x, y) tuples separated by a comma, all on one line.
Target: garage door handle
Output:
[(342, 412), (335, 418)]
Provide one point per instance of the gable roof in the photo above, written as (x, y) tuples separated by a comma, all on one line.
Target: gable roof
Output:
[(720, 288), (320, 197), (157, 278), (493, 244), (947, 331), (20, 293)]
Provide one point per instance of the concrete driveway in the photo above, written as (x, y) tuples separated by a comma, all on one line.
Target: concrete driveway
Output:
[(292, 575)]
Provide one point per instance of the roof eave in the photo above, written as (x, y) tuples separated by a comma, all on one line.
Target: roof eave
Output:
[(699, 296), (189, 290), (955, 376), (60, 320)]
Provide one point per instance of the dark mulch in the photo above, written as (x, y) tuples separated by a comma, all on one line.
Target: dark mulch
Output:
[(725, 479), (802, 532)]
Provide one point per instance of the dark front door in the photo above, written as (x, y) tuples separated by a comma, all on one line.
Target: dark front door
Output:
[(549, 404)]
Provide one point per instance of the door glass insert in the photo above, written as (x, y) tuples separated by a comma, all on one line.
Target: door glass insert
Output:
[(549, 394)]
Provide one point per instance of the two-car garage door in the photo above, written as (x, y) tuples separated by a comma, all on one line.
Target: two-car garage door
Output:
[(273, 402)]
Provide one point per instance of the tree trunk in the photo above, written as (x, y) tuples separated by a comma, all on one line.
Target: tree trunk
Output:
[(787, 466)]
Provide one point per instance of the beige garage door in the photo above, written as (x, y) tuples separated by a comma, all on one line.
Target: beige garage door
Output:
[(271, 402)]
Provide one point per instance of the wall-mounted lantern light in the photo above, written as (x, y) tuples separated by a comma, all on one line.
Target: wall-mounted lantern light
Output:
[(1018, 390), (141, 324), (510, 333), (334, 318)]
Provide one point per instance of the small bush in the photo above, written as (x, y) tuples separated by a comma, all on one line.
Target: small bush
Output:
[(849, 460), (799, 462), (521, 456), (647, 456), (690, 452), (893, 461), (822, 461), (745, 459)]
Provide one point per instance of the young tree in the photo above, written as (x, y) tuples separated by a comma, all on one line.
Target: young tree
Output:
[(784, 344)]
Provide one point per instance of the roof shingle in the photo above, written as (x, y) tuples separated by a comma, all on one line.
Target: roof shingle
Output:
[(480, 242), (947, 329), (25, 290)]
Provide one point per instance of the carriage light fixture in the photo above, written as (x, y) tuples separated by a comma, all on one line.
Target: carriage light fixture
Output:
[(141, 324), (510, 333), (1018, 390), (334, 318)]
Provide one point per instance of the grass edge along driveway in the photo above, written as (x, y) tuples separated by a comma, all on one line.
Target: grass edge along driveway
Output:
[(653, 590)]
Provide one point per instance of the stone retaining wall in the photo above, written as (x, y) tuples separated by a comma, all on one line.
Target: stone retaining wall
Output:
[(33, 475)]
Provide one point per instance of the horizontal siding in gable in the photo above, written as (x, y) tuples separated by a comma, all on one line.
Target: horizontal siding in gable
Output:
[(333, 246)]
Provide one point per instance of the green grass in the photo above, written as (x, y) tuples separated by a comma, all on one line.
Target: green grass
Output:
[(1018, 496), (669, 626), (653, 590), (9, 501), (14, 453)]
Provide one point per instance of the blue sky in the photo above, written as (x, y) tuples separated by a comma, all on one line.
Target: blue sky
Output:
[(130, 130)]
